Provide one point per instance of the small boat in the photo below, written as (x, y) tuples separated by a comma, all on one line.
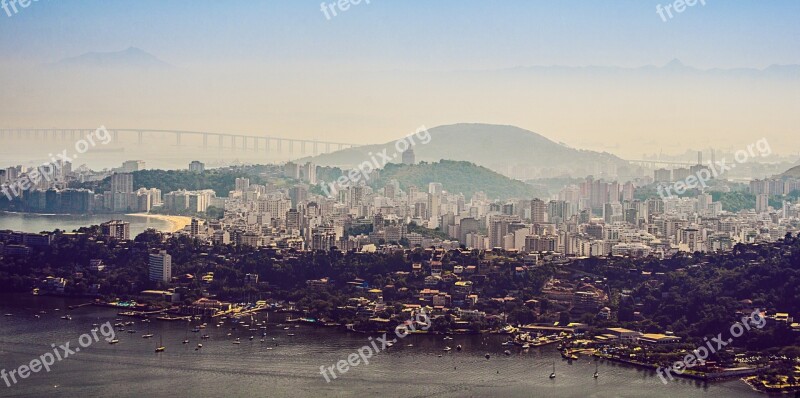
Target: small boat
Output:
[(147, 336), (161, 347), (446, 349), (286, 328), (66, 318), (507, 352), (186, 342), (262, 340), (115, 341), (290, 334), (440, 355), (526, 346), (458, 347), (596, 372), (390, 344), (131, 331), (553, 375), (447, 338), (237, 341), (410, 345), (205, 337), (487, 356), (251, 338)]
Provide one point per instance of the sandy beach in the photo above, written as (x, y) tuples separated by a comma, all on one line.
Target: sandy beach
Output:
[(177, 223)]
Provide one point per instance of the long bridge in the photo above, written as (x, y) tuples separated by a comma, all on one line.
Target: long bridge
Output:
[(204, 139), (653, 164)]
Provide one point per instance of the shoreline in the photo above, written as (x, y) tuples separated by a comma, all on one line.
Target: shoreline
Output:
[(177, 223)]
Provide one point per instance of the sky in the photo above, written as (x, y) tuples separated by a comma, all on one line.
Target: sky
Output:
[(374, 71)]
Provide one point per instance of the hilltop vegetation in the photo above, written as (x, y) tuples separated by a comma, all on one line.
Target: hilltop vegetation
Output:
[(221, 181), (456, 176)]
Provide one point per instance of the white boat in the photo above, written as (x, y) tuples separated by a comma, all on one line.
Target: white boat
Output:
[(115, 341), (446, 349), (553, 375)]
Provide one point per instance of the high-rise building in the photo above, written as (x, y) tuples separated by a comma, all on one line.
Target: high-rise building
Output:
[(121, 183), (197, 167), (160, 265), (117, 229), (538, 208), (132, 165), (408, 157), (309, 173), (762, 203), (662, 175), (242, 184)]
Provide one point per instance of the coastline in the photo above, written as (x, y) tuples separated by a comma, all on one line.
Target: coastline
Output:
[(177, 223)]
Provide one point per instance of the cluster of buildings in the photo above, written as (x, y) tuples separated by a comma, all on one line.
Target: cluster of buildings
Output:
[(592, 218), (51, 195)]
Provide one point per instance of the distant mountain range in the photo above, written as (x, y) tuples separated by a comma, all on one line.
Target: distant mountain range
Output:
[(497, 147), (674, 67), (130, 58)]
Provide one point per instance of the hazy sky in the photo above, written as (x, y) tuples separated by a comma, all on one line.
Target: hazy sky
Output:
[(373, 72)]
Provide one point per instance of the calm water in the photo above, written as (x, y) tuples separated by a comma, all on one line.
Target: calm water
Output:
[(292, 368), (39, 223)]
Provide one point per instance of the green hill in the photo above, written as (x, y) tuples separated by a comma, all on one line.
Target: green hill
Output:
[(456, 176)]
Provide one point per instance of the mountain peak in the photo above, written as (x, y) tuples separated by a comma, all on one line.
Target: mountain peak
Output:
[(129, 58), (674, 64)]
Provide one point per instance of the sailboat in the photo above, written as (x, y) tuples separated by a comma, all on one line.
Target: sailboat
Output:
[(596, 373), (553, 375), (161, 347)]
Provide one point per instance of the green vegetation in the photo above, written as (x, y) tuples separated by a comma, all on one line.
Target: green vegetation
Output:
[(221, 181), (456, 176), (736, 201), (428, 233)]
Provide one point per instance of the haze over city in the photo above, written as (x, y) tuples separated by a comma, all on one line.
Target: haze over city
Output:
[(609, 77), (349, 198)]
